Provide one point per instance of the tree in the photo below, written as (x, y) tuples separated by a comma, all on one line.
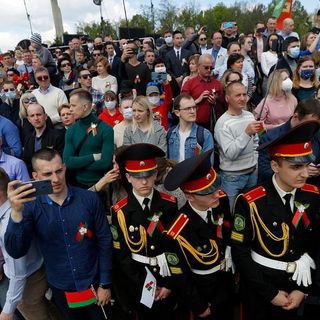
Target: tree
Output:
[(138, 21), (167, 16), (95, 29)]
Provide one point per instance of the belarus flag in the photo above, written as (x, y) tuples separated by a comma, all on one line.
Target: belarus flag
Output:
[(81, 298)]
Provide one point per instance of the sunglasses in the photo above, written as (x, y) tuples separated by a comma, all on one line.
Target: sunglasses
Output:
[(11, 89), (87, 76), (203, 39), (10, 74), (66, 65), (208, 68), (96, 54), (58, 52), (29, 100), (42, 78)]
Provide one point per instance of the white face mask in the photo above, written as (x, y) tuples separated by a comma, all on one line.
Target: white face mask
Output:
[(154, 100), (286, 85), (110, 105), (168, 40), (127, 113), (160, 69)]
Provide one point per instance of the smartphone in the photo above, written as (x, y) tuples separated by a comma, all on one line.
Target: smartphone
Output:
[(228, 24), (158, 76), (42, 187), (205, 29)]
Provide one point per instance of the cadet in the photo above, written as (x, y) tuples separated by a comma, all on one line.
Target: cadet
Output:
[(201, 230), (137, 224), (273, 230)]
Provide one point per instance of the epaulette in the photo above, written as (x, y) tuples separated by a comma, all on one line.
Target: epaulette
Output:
[(310, 188), (178, 225), (255, 194), (222, 194), (168, 197), (120, 204)]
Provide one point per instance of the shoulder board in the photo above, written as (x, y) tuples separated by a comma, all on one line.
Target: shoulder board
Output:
[(120, 204), (178, 225), (310, 188), (222, 194), (168, 197), (255, 194)]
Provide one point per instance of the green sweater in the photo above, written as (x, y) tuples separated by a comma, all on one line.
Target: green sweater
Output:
[(88, 171)]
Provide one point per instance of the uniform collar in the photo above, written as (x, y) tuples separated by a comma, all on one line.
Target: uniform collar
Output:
[(281, 192), (140, 199), (201, 213)]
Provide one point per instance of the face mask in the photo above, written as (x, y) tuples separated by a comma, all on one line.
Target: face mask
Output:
[(307, 74), (286, 85), (90, 45), (160, 69), (294, 52), (11, 95), (154, 100), (168, 40), (127, 113), (110, 105)]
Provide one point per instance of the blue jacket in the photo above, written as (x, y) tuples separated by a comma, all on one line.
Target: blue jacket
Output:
[(264, 168), (73, 260), (190, 145)]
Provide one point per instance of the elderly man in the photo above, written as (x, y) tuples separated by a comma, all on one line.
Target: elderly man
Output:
[(70, 227), (287, 29), (205, 90), (47, 95), (217, 51)]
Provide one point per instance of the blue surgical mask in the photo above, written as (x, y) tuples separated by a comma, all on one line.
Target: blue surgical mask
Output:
[(110, 105), (306, 74), (11, 95), (294, 52)]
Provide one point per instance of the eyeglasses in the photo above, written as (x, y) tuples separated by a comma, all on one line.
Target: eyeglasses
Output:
[(11, 89), (58, 52), (10, 74), (29, 100), (96, 54), (42, 78), (87, 76), (208, 68), (189, 109), (66, 65), (203, 39)]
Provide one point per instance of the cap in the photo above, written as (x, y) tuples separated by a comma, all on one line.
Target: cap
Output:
[(152, 89), (126, 86), (295, 144), (36, 38), (140, 159), (194, 175)]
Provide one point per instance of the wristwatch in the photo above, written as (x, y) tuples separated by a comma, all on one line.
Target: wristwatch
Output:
[(104, 286)]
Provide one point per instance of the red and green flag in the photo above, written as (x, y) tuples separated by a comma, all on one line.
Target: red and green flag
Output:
[(155, 223), (80, 298), (281, 11), (301, 215)]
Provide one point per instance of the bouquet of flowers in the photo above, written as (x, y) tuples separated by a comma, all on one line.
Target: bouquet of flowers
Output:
[(22, 82)]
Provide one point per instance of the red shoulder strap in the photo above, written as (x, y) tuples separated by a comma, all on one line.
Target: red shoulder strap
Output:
[(255, 194)]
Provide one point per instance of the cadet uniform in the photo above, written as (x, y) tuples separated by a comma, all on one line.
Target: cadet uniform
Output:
[(137, 236), (271, 235), (202, 238)]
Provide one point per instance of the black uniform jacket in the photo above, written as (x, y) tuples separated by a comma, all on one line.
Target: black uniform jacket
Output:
[(128, 237), (262, 223), (202, 248)]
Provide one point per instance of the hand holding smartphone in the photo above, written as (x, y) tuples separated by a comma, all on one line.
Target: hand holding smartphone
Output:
[(42, 187)]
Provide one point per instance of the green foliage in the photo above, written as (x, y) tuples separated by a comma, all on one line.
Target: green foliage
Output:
[(95, 29), (168, 16)]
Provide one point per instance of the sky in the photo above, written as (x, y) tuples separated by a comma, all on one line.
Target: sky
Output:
[(15, 25)]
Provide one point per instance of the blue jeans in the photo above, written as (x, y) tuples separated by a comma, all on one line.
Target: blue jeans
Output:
[(232, 185)]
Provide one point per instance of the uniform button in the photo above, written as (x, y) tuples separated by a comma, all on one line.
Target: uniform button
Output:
[(154, 269), (63, 220), (74, 270), (66, 233), (152, 247)]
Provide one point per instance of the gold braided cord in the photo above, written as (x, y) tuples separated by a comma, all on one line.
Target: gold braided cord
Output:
[(213, 253), (143, 235), (285, 232)]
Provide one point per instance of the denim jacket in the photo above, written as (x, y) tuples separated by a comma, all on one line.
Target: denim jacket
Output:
[(190, 145)]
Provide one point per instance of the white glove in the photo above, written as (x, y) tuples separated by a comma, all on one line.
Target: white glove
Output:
[(163, 264), (302, 274), (229, 263)]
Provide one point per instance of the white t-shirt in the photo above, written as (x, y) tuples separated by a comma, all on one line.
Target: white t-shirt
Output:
[(183, 137)]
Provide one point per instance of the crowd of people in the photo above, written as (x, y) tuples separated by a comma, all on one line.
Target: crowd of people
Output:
[(184, 176)]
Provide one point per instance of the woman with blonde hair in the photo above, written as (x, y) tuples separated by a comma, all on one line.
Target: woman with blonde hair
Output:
[(193, 63), (143, 128), (278, 106), (305, 80), (104, 81)]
